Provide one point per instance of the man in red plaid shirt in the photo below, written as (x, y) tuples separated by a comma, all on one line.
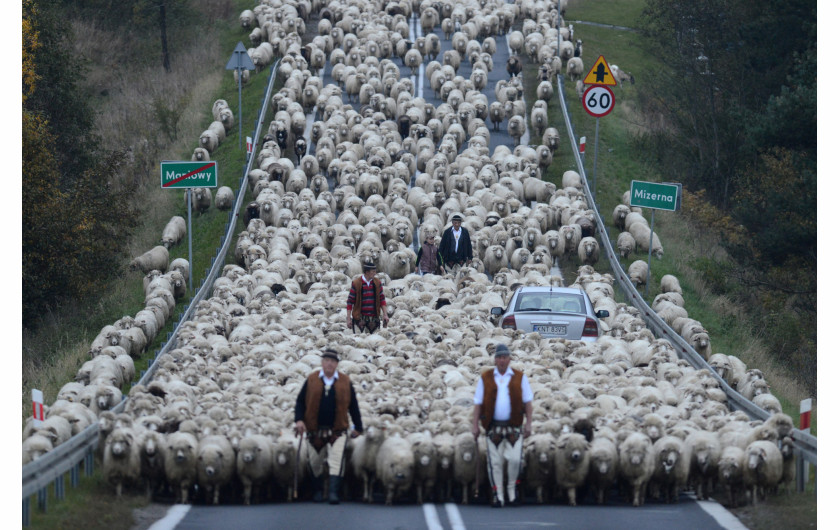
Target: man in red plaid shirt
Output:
[(366, 302)]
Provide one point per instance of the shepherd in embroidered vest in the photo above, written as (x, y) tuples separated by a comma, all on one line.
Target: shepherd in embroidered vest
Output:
[(503, 398)]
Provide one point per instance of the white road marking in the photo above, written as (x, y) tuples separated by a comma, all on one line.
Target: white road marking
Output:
[(173, 517), (724, 517), (432, 520), (454, 516)]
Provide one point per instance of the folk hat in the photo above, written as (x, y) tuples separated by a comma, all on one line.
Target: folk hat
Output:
[(501, 349), (330, 354), (369, 267), (457, 217)]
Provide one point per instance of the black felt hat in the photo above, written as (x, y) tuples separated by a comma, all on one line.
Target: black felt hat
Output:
[(330, 354), (501, 349), (457, 217), (369, 267)]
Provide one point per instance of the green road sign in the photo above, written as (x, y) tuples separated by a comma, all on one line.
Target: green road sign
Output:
[(188, 174), (654, 195)]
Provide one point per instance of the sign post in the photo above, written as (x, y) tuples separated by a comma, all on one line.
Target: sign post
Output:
[(189, 175), (240, 60), (598, 100), (656, 196)]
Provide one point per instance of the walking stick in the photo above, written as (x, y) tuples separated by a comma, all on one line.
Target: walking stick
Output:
[(297, 465), (477, 466)]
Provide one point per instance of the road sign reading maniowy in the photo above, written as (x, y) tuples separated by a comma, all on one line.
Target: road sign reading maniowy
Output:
[(654, 195), (188, 174), (598, 100)]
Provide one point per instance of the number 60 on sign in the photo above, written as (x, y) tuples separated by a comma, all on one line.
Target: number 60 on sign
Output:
[(598, 100)]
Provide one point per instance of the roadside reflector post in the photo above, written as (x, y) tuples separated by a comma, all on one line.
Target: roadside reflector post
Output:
[(37, 407), (240, 60), (582, 148), (803, 466)]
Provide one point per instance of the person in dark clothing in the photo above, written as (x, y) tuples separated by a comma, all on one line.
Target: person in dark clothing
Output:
[(325, 399), (366, 302), (429, 260), (455, 245)]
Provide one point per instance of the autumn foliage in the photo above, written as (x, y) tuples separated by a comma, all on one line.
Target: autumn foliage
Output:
[(75, 224)]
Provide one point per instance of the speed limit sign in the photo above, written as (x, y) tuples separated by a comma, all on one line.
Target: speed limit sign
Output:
[(598, 100)]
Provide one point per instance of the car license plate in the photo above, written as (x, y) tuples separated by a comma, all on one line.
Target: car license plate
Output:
[(552, 329)]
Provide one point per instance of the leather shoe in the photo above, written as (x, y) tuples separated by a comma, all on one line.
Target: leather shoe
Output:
[(497, 503)]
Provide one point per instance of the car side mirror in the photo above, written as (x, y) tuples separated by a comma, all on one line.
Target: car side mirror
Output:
[(498, 311), (602, 313)]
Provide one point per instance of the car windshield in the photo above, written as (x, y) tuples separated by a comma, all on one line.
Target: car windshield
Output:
[(551, 302)]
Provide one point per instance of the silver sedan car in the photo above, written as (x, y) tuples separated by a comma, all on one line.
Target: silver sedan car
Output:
[(564, 312)]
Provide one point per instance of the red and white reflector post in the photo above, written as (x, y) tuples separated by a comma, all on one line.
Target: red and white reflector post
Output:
[(249, 144), (37, 407), (805, 415), (582, 149)]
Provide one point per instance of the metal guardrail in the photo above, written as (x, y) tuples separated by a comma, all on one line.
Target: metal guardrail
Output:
[(52, 467), (805, 444)]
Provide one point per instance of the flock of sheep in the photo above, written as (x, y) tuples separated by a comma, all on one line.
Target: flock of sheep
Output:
[(622, 411)]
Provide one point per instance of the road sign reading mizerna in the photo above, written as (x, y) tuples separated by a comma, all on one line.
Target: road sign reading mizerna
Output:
[(654, 195)]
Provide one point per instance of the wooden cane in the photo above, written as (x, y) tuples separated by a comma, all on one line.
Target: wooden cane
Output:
[(477, 466), (297, 465)]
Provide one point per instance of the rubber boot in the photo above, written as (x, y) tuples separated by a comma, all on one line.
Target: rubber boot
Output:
[(317, 489), (335, 485)]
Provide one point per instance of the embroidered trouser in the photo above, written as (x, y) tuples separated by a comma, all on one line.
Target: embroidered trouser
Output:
[(330, 452), (366, 323), (505, 456)]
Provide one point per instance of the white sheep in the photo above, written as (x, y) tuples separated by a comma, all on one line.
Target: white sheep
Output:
[(763, 470), (571, 464), (670, 284), (539, 464), (224, 198), (173, 232), (253, 463), (636, 464), (363, 458), (625, 244), (395, 466), (642, 235), (671, 466), (589, 250), (638, 273), (156, 258), (121, 462), (574, 68), (731, 473), (180, 463), (603, 466), (704, 448), (464, 469), (215, 464), (34, 447), (425, 463)]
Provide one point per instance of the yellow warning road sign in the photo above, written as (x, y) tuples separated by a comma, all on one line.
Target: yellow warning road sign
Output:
[(600, 74)]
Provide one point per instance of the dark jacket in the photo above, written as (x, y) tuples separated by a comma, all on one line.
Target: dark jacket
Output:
[(447, 247), (438, 258)]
